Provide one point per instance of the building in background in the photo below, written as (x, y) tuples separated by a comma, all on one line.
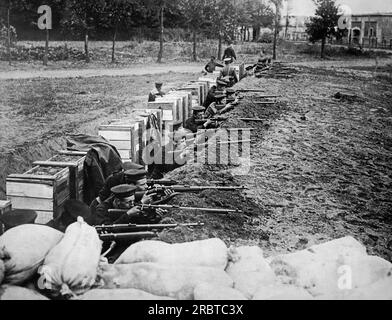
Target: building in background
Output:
[(371, 30), (293, 28)]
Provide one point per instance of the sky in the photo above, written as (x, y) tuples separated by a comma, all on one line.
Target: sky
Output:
[(306, 7)]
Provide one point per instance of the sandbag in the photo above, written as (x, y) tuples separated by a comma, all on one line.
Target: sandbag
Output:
[(25, 248), (323, 270), (347, 247), (9, 292), (71, 267), (211, 253), (2, 269), (282, 292), (249, 270), (168, 281), (120, 294), (207, 291)]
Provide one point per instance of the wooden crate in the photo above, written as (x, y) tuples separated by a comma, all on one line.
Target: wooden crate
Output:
[(202, 89), (5, 206), (194, 90), (187, 100), (210, 82), (75, 162), (42, 189), (168, 109), (120, 136), (127, 136), (178, 109)]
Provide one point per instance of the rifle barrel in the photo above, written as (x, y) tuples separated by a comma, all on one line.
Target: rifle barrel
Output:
[(143, 227), (126, 236), (210, 210)]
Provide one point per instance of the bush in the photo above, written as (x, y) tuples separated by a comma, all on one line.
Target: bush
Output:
[(4, 35), (266, 38), (21, 53)]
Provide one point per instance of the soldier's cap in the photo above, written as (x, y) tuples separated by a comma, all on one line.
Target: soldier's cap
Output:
[(220, 96), (130, 165), (135, 174), (75, 208), (158, 83), (198, 108), (230, 91), (230, 99), (123, 191)]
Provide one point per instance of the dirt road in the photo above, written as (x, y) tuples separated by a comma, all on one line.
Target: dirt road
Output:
[(137, 70)]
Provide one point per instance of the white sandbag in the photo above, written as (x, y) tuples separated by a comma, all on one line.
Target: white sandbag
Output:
[(2, 270), (71, 267), (25, 248), (9, 292), (249, 270), (120, 294), (207, 291), (211, 253), (168, 281), (347, 247), (324, 272), (282, 292), (380, 290)]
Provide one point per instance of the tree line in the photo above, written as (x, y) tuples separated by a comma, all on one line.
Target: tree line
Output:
[(86, 19)]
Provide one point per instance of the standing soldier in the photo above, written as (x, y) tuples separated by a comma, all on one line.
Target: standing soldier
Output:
[(156, 92), (230, 53)]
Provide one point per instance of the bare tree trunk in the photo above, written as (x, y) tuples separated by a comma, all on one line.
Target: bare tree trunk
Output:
[(194, 45), (323, 48), (86, 47), (46, 48), (9, 34), (276, 31), (160, 54), (114, 44), (220, 46)]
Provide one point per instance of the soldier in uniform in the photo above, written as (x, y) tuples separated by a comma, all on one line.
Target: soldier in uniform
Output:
[(230, 53), (123, 199), (198, 114), (211, 66), (229, 73), (156, 92)]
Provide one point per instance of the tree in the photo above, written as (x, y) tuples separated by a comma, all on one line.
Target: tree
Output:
[(324, 23), (116, 13), (194, 12), (82, 15), (277, 4), (221, 21)]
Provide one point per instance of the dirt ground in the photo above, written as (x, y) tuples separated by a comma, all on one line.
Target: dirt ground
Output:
[(37, 114), (320, 167)]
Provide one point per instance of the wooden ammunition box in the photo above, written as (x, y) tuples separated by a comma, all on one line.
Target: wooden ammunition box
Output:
[(75, 162), (43, 189)]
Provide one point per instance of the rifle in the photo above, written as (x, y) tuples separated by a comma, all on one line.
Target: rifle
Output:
[(218, 118), (181, 188), (249, 90), (168, 207), (132, 228), (106, 237), (162, 182)]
